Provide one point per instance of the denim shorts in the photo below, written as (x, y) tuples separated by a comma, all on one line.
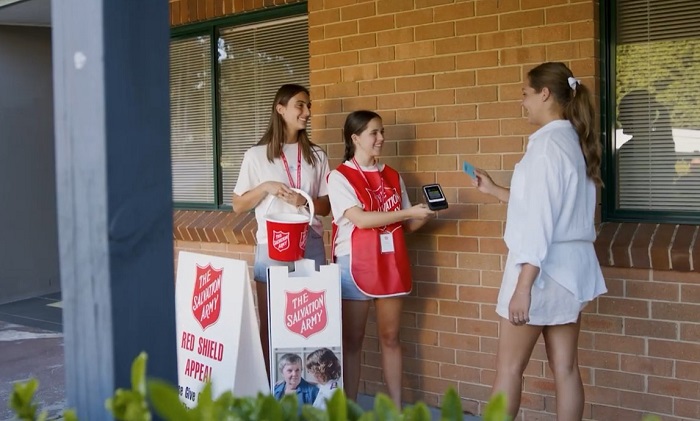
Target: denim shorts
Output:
[(348, 289), (314, 251)]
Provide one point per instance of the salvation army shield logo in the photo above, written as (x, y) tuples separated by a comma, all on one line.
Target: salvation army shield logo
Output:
[(385, 200), (206, 298), (280, 240), (302, 240), (305, 312)]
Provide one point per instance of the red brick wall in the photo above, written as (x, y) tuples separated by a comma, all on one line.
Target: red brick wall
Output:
[(191, 11), (446, 77)]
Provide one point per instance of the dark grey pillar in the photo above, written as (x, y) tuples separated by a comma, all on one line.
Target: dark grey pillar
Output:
[(114, 194)]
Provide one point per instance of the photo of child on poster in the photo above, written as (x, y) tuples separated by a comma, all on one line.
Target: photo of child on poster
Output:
[(325, 367), (312, 386)]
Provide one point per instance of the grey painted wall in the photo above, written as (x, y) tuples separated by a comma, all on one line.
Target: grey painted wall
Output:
[(28, 237)]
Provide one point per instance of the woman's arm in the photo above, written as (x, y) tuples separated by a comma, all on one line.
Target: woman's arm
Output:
[(253, 197), (502, 194), (485, 184), (413, 225), (322, 206), (365, 220), (526, 279), (519, 306)]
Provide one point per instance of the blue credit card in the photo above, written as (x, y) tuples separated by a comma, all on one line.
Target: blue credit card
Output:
[(468, 169)]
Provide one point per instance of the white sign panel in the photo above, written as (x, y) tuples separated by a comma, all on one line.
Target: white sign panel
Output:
[(217, 330), (305, 331)]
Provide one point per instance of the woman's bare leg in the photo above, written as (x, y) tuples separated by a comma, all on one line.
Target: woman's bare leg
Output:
[(389, 325), (354, 323), (562, 352), (515, 345)]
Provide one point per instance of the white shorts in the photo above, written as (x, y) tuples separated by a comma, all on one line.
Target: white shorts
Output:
[(551, 305)]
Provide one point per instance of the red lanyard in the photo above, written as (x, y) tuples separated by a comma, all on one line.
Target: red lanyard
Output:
[(381, 198), (289, 173)]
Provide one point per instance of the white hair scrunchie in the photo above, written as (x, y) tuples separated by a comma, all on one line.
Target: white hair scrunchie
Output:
[(573, 82)]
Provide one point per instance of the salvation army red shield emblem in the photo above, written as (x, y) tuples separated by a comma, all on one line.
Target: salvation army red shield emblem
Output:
[(206, 298), (386, 199), (305, 312), (302, 240), (280, 240)]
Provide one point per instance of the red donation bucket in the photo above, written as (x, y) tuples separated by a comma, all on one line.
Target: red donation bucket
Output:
[(286, 232)]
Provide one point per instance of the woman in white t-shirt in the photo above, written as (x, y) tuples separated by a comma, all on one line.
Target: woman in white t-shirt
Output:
[(552, 270), (283, 159), (371, 212)]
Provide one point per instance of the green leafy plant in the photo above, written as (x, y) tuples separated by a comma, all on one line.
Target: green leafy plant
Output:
[(148, 396), (131, 404), (497, 408), (22, 403)]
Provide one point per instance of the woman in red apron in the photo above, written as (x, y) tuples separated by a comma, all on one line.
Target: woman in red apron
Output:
[(371, 213)]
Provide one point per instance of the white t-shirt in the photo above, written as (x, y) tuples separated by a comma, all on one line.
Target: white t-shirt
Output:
[(325, 391), (256, 169), (342, 196), (550, 219)]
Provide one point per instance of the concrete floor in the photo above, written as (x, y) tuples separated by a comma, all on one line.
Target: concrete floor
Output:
[(31, 346)]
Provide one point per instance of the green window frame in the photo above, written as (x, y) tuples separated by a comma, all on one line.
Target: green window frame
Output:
[(216, 70), (646, 50)]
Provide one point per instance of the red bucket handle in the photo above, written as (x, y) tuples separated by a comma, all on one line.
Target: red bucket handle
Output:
[(308, 200)]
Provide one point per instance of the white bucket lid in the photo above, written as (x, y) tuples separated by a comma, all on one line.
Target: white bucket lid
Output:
[(287, 218)]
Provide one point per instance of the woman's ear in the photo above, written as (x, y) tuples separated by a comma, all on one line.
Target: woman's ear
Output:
[(354, 138), (545, 93), (280, 109)]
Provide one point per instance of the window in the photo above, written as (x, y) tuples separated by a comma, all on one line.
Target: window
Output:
[(191, 133), (652, 68), (223, 77)]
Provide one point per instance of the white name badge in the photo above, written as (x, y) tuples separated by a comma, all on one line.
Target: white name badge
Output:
[(386, 240)]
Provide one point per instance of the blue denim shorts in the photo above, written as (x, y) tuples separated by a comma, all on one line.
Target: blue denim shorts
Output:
[(348, 289), (314, 251)]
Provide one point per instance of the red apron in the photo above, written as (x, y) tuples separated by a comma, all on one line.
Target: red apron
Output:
[(377, 274)]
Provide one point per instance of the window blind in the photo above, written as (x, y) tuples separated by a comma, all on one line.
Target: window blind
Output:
[(254, 61), (657, 83), (192, 136)]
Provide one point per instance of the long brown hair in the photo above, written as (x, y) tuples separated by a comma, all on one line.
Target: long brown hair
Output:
[(355, 123), (274, 136), (577, 105)]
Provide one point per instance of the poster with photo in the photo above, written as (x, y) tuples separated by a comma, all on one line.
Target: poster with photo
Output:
[(312, 374), (305, 332), (217, 329)]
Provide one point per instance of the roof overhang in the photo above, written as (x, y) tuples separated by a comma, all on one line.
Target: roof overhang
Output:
[(25, 12)]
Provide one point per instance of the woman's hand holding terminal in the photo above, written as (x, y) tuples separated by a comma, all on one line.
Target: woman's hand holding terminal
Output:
[(421, 211)]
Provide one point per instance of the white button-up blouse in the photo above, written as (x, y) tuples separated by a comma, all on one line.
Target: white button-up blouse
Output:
[(550, 219)]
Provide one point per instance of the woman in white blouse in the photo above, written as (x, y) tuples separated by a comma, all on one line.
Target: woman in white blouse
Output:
[(552, 271)]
